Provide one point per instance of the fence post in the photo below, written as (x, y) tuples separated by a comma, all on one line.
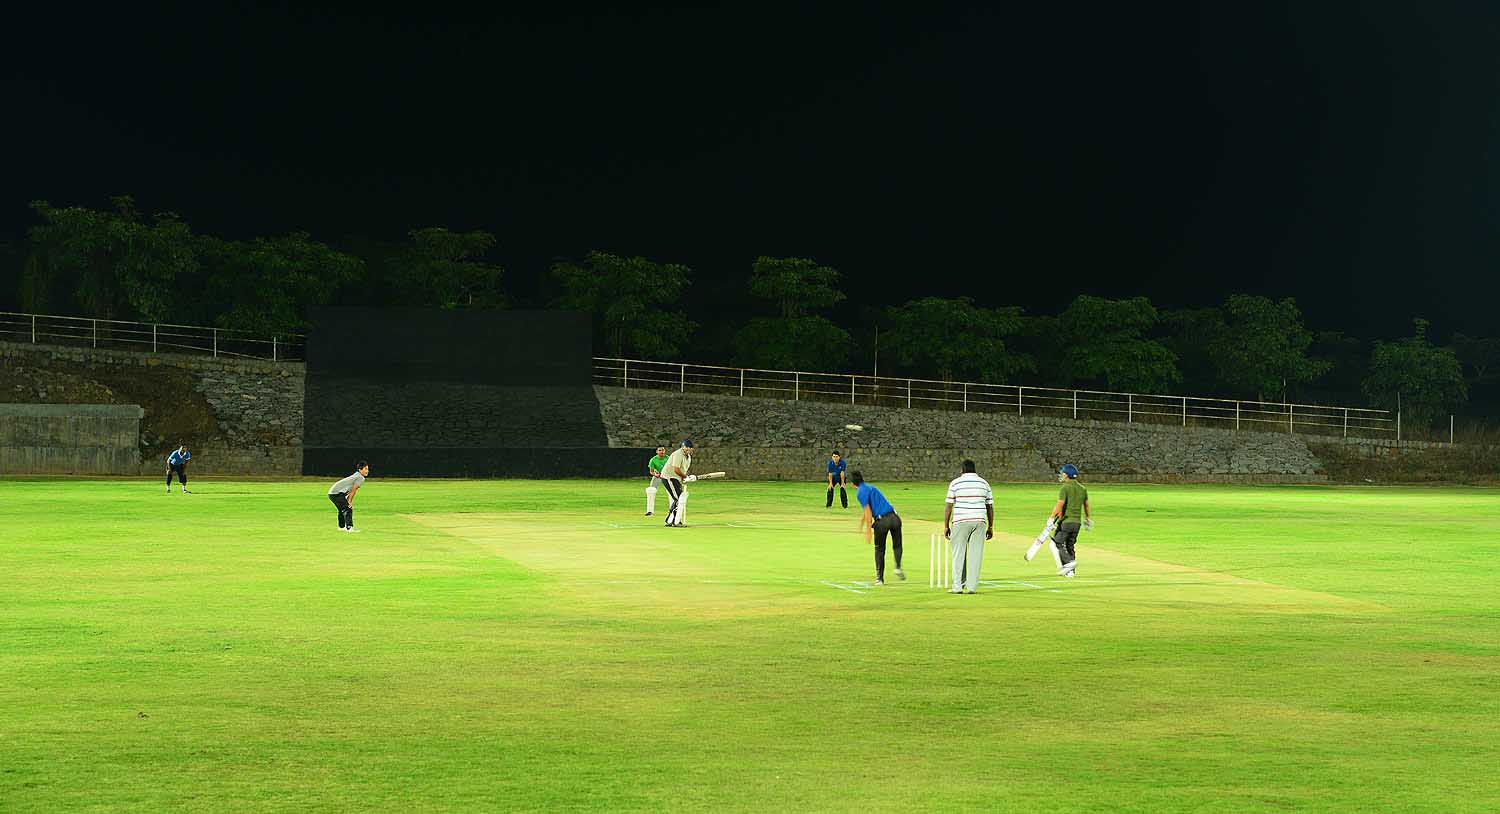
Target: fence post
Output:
[(1346, 422), (966, 397), (153, 340), (1075, 405), (95, 324), (1184, 411), (216, 343), (273, 348), (1398, 425), (626, 378), (1450, 429), (1129, 408), (1291, 410), (796, 386), (851, 388), (33, 329), (742, 381), (908, 394), (1236, 416), (682, 378), (1020, 397)]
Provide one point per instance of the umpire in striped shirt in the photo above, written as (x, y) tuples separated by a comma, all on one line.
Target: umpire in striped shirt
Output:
[(968, 520)]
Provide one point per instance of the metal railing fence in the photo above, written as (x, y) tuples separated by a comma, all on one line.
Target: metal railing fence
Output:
[(1019, 400), (855, 389), (156, 337)]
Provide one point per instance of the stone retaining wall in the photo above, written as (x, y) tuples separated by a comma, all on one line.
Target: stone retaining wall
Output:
[(245, 417), (239, 416), (760, 438), (70, 439), (1407, 462)]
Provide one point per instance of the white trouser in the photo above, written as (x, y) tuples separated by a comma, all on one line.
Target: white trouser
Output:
[(651, 495), (968, 553), (678, 493)]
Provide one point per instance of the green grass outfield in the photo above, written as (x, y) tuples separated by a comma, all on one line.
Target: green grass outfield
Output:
[(541, 646)]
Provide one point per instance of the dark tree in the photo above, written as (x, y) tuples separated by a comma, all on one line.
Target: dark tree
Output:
[(808, 343), (1104, 342), (1424, 380), (1348, 360), (954, 338), (1189, 333), (1479, 355), (443, 269), (110, 265), (796, 285), (796, 340), (1263, 347), (266, 285), (629, 299)]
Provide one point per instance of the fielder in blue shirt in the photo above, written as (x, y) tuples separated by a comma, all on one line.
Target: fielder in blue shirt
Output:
[(879, 519), (177, 465), (836, 477)]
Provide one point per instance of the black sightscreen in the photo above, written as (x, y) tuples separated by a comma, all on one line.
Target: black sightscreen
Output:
[(432, 393)]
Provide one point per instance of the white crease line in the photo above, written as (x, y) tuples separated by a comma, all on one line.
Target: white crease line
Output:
[(841, 587), (1038, 587)]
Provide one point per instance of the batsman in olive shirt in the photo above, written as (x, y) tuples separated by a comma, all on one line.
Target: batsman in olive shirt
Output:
[(1070, 512)]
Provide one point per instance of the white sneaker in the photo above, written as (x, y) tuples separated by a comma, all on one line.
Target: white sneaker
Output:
[(1069, 575), (352, 530), (901, 575), (955, 590), (879, 582)]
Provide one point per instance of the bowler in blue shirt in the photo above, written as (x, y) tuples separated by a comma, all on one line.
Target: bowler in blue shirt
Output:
[(879, 519)]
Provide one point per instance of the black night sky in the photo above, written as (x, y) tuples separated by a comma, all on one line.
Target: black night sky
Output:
[(1341, 153)]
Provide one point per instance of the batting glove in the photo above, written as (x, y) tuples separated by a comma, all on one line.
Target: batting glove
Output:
[(1088, 524), (691, 478)]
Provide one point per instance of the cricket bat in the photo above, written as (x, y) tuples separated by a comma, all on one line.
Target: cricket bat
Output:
[(1041, 539), (708, 475)]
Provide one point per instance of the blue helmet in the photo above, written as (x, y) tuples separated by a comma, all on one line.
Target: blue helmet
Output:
[(1068, 470)]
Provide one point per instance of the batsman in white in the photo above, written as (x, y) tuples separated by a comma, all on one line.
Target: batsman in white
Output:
[(654, 466), (674, 474)]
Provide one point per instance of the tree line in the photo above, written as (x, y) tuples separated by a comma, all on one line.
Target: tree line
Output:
[(122, 263)]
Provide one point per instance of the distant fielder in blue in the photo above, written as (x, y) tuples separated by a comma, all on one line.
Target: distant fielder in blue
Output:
[(836, 477), (177, 465)]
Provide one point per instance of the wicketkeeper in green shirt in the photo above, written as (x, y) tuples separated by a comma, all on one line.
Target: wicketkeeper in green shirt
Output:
[(654, 467), (1070, 513)]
